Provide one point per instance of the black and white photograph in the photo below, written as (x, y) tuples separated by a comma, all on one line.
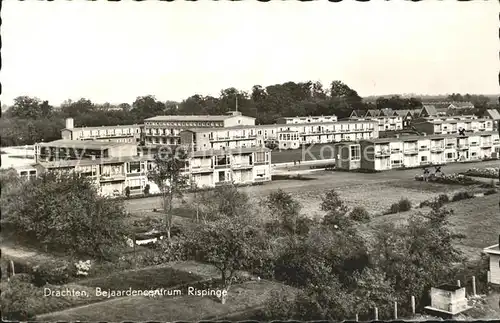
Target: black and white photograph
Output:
[(250, 161)]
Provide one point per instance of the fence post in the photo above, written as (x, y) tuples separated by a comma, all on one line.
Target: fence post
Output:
[(474, 285), (376, 314), (489, 277), (357, 317), (395, 310), (13, 268), (413, 305), (458, 283)]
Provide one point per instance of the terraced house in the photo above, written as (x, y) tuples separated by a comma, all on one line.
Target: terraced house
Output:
[(413, 151), (118, 133), (452, 124)]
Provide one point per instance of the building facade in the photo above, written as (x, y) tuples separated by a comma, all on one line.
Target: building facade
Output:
[(494, 270), (414, 151), (165, 130), (452, 125), (309, 119), (118, 133)]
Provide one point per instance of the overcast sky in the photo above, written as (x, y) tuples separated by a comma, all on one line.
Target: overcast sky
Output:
[(114, 52)]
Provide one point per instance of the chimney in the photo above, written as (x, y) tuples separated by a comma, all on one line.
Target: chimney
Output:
[(69, 123)]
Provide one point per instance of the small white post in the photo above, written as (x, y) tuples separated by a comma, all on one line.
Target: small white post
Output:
[(376, 314), (458, 283), (357, 317), (489, 277), (395, 310), (474, 285), (413, 305)]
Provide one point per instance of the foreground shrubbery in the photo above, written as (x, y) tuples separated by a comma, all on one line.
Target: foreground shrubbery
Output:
[(462, 196), (452, 179), (402, 206), (489, 172)]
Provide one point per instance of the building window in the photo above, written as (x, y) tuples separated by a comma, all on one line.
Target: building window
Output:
[(449, 155), (423, 158), (355, 153), (260, 157)]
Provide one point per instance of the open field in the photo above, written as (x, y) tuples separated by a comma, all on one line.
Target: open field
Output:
[(145, 279), (242, 297), (313, 152), (376, 192), (478, 219)]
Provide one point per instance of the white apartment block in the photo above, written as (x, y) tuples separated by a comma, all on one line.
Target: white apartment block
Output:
[(118, 133), (452, 125), (309, 119), (385, 123), (165, 130), (414, 151), (289, 136), (113, 166)]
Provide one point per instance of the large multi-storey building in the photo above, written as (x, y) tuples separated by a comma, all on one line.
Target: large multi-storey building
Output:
[(413, 151), (452, 125), (118, 133), (165, 130), (286, 136), (115, 166)]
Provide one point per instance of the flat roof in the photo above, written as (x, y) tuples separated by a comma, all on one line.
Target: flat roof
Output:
[(105, 127), (278, 125), (84, 144), (235, 151), (194, 118), (434, 136), (495, 250)]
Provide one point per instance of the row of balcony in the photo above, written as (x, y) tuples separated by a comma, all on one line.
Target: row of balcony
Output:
[(414, 151)]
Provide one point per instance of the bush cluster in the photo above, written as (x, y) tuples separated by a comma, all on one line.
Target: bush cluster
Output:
[(462, 196), (53, 273), (402, 206)]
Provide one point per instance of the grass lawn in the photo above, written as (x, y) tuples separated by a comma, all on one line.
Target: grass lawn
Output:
[(142, 279), (478, 219), (242, 297), (40, 303)]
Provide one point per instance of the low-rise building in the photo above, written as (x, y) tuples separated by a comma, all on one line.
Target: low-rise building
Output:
[(414, 151), (114, 167), (118, 133), (347, 155), (494, 270), (165, 130), (494, 115), (452, 125)]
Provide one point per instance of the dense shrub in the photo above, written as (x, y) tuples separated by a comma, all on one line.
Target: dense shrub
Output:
[(402, 206), (15, 300), (462, 196), (53, 273), (146, 189), (491, 191), (443, 198), (359, 214)]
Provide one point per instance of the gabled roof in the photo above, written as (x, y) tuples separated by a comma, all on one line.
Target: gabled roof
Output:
[(372, 113), (357, 113), (403, 113), (387, 112), (492, 114), (462, 105)]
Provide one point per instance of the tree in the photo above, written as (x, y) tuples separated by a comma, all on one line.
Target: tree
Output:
[(26, 107), (147, 106), (169, 175), (230, 244), (417, 255), (64, 212), (336, 209), (359, 214), (224, 201), (74, 109), (285, 209)]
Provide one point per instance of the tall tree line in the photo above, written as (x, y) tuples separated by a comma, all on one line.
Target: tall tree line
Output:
[(31, 120)]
